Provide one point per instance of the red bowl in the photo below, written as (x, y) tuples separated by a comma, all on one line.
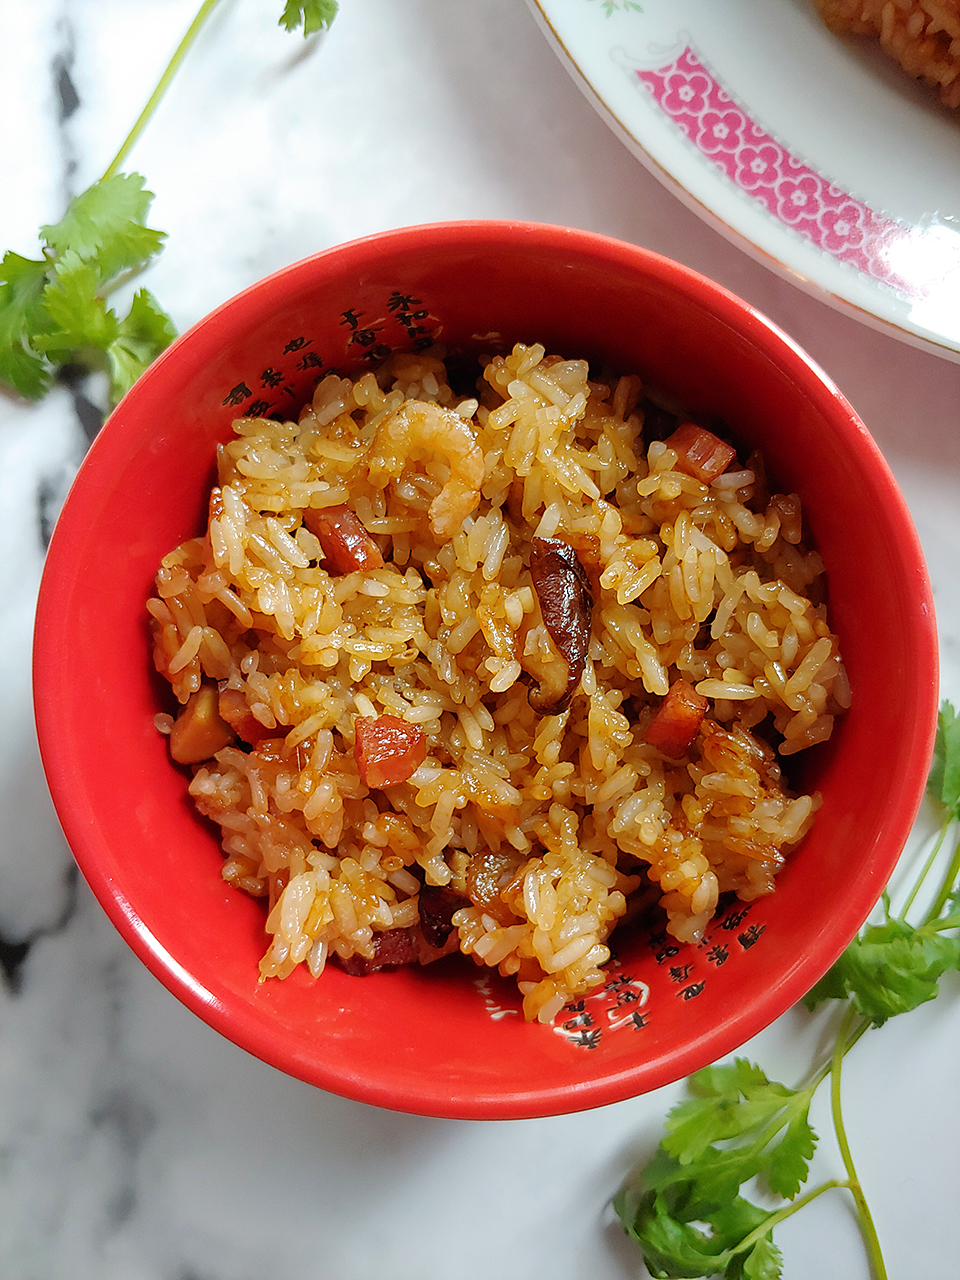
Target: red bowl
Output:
[(449, 1041)]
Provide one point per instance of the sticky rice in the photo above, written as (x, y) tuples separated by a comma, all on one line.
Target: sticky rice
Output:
[(528, 824), (922, 35)]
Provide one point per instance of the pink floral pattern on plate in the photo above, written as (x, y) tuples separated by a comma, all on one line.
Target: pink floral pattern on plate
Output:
[(833, 220)]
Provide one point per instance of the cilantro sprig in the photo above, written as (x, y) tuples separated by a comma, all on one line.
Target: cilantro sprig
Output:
[(685, 1208), (55, 310)]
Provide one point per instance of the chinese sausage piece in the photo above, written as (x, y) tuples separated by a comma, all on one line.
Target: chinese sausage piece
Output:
[(678, 719), (437, 904), (433, 937), (700, 453), (345, 543), (391, 948), (388, 750), (488, 875), (566, 604), (235, 711)]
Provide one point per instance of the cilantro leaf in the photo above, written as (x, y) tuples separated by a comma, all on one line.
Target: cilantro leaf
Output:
[(22, 317), (81, 318), (106, 226), (668, 1229), (312, 15), (142, 335), (737, 1126), (670, 1246), (54, 311), (763, 1262), (944, 781), (763, 1123), (728, 1097), (891, 968)]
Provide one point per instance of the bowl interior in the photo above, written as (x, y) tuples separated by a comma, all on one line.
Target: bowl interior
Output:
[(450, 1041)]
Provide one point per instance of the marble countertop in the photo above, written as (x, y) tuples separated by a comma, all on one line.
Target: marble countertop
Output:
[(135, 1143)]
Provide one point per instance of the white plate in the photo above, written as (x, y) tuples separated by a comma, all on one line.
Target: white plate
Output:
[(817, 154)]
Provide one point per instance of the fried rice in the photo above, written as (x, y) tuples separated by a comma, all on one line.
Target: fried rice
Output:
[(922, 35), (425, 653)]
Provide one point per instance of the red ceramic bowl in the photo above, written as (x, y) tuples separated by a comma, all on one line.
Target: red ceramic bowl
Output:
[(449, 1041)]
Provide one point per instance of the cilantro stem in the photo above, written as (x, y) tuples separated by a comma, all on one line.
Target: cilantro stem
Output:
[(181, 51), (931, 859), (949, 883), (781, 1215), (846, 1037), (868, 1229)]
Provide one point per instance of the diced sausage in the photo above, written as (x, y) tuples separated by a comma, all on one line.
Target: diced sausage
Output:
[(677, 722), (437, 906), (700, 453), (235, 710), (391, 948), (344, 541), (388, 750)]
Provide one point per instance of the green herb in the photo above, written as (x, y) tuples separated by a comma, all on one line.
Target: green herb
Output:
[(685, 1208), (54, 310), (312, 15)]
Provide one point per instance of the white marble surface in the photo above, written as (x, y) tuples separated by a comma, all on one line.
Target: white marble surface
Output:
[(135, 1143)]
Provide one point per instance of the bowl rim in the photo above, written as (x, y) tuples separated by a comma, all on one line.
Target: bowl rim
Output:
[(250, 1032)]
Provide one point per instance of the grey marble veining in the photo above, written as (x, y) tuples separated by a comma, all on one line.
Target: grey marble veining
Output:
[(136, 1143)]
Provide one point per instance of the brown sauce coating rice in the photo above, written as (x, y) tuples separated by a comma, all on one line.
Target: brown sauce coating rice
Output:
[(922, 35), (520, 837)]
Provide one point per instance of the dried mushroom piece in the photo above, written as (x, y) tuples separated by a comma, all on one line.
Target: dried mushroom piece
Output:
[(199, 731), (566, 605)]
